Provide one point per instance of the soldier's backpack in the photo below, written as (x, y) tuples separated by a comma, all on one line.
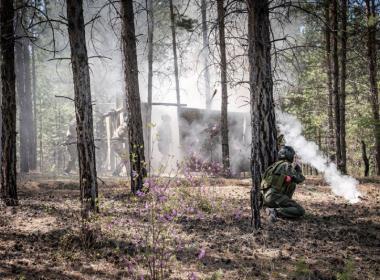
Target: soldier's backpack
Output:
[(272, 177)]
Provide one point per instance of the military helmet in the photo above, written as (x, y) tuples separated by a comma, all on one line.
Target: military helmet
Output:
[(286, 153)]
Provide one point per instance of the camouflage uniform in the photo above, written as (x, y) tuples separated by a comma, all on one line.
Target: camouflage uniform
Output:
[(71, 146), (278, 187), (118, 140)]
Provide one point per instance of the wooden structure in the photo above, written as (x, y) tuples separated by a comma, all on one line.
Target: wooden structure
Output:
[(199, 132)]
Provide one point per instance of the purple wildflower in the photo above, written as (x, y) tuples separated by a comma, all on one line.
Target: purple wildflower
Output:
[(202, 253), (140, 193), (193, 276), (134, 174)]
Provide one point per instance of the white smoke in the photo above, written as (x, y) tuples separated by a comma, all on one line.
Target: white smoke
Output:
[(341, 185)]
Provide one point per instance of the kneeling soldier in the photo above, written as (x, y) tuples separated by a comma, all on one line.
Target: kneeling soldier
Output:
[(278, 186)]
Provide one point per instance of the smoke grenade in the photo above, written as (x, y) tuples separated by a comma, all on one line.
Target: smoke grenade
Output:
[(309, 153)]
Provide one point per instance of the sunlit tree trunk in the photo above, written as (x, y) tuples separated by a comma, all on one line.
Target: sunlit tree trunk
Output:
[(223, 80), (33, 150), (372, 67), (28, 120), (205, 54), (263, 122), (24, 91), (135, 128), (41, 155), (8, 137), (83, 108), (20, 69), (150, 20), (343, 77), (174, 46)]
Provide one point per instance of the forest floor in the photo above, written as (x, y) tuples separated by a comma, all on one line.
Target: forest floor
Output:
[(213, 239)]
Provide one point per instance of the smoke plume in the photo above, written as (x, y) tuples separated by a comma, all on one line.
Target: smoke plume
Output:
[(341, 185)]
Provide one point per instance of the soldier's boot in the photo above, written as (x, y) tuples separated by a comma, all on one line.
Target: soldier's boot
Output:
[(272, 214), (293, 211)]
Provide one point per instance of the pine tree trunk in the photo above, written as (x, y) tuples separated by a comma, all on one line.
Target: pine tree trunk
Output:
[(372, 67), (33, 151), (365, 159), (150, 20), (83, 108), (174, 45), (223, 79), (20, 62), (205, 54), (335, 64), (24, 91), (135, 128), (343, 76), (41, 136), (331, 145), (1, 120), (8, 80), (28, 114), (263, 119)]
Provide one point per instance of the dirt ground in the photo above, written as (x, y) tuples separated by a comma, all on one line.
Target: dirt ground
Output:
[(335, 240)]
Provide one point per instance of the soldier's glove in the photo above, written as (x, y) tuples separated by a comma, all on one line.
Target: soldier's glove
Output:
[(298, 168), (288, 179)]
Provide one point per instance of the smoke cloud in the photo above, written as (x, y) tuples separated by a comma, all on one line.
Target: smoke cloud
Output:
[(341, 185)]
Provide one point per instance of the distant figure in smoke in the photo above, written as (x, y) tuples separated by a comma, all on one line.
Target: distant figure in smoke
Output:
[(278, 186), (100, 143), (118, 140), (164, 132), (71, 146)]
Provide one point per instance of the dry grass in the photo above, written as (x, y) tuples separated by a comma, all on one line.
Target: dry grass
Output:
[(40, 238)]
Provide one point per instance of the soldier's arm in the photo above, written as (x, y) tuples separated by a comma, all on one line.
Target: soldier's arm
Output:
[(288, 169), (296, 175)]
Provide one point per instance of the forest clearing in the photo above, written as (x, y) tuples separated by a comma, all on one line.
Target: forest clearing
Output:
[(189, 139), (335, 240)]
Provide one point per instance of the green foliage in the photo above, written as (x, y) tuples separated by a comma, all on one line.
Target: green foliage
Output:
[(347, 273), (301, 269), (308, 97), (204, 204), (218, 275)]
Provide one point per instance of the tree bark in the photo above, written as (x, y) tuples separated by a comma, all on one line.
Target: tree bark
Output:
[(41, 163), (20, 69), (33, 151), (331, 142), (83, 108), (263, 119), (150, 20), (24, 92), (135, 128), (343, 77), (365, 159), (8, 137), (372, 67), (223, 79), (174, 45), (28, 102), (335, 64), (205, 54)]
